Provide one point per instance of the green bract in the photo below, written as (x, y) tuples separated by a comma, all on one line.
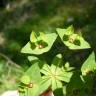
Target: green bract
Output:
[(89, 65), (39, 43), (72, 40), (35, 78), (25, 79)]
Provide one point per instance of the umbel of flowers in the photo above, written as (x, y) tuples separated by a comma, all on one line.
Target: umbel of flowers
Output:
[(55, 75)]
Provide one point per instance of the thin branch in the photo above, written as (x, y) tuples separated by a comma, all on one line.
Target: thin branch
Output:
[(9, 60)]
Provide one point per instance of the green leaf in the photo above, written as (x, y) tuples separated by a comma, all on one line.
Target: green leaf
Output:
[(46, 70), (72, 40), (44, 84), (36, 47), (89, 65), (56, 73), (32, 58), (65, 76), (56, 84), (60, 73)]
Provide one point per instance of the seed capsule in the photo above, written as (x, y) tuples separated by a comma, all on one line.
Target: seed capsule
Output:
[(40, 46), (30, 85), (71, 40)]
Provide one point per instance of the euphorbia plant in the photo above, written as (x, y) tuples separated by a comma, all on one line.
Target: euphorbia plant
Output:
[(57, 76)]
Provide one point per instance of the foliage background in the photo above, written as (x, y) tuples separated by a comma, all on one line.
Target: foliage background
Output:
[(19, 17)]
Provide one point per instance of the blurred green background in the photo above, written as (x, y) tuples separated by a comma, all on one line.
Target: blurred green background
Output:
[(19, 17)]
